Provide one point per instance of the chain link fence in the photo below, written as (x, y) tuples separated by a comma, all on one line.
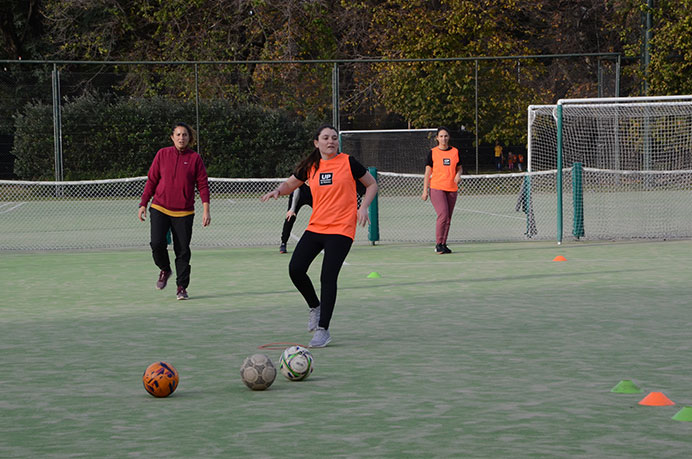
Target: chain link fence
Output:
[(491, 208), (353, 94), (103, 214)]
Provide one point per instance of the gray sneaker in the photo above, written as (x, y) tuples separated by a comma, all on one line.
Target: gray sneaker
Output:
[(182, 293), (314, 319), (321, 338)]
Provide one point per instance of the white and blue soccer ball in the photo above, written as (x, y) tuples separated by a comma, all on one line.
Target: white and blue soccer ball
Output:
[(296, 363)]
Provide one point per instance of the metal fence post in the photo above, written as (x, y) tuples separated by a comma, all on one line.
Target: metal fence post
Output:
[(199, 135), (476, 113), (57, 125), (335, 96)]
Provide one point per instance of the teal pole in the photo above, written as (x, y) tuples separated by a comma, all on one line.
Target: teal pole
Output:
[(578, 200), (374, 213)]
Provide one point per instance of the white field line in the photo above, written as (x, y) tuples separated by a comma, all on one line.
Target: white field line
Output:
[(4, 206)]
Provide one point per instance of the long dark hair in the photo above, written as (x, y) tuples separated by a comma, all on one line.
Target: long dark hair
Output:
[(313, 159)]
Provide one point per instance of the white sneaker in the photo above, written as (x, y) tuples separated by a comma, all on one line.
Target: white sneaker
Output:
[(321, 338), (314, 319)]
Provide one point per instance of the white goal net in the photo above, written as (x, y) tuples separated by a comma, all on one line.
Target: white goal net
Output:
[(393, 150), (627, 164)]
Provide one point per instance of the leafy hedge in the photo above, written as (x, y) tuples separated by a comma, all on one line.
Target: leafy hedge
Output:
[(111, 139)]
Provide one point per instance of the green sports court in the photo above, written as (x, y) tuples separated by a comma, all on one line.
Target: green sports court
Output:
[(559, 326), (495, 350)]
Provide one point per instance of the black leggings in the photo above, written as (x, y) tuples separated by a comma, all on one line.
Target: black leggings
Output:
[(335, 247), (305, 199), (181, 227)]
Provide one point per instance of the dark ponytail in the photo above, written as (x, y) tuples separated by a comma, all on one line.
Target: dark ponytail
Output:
[(313, 159)]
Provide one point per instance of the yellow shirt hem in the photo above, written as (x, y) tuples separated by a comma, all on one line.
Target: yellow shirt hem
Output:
[(172, 213)]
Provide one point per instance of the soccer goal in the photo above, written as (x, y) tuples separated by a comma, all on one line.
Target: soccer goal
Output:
[(401, 151), (626, 163)]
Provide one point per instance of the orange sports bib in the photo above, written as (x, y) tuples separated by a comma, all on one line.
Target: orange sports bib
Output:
[(444, 169), (334, 200)]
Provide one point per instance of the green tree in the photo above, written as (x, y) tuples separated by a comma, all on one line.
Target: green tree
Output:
[(436, 93), (216, 30), (670, 69), (172, 30), (21, 29), (419, 94)]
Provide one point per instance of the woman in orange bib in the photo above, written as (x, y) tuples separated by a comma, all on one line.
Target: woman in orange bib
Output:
[(332, 178), (441, 182)]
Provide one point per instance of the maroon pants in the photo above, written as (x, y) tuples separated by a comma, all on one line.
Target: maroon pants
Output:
[(443, 202)]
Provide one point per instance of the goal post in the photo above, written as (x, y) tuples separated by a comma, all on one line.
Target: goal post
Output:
[(635, 155)]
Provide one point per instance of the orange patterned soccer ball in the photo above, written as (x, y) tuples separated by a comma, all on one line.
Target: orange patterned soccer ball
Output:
[(160, 379)]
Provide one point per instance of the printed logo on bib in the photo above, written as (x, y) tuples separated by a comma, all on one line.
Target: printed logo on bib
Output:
[(446, 161), (326, 178)]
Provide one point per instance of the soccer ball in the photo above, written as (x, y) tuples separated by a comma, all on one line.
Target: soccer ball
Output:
[(258, 372), (160, 379), (296, 363)]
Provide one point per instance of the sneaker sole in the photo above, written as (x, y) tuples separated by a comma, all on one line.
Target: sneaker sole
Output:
[(321, 345)]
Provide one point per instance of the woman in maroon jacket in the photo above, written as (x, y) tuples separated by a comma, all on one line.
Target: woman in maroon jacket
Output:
[(171, 181)]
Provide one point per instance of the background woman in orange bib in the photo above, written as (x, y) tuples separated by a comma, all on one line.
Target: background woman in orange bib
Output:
[(332, 178), (441, 182)]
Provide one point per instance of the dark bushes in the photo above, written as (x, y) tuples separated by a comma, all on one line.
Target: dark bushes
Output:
[(118, 138)]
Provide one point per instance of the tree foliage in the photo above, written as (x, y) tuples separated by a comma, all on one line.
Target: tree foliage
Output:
[(671, 59), (443, 93), (21, 29), (372, 95)]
